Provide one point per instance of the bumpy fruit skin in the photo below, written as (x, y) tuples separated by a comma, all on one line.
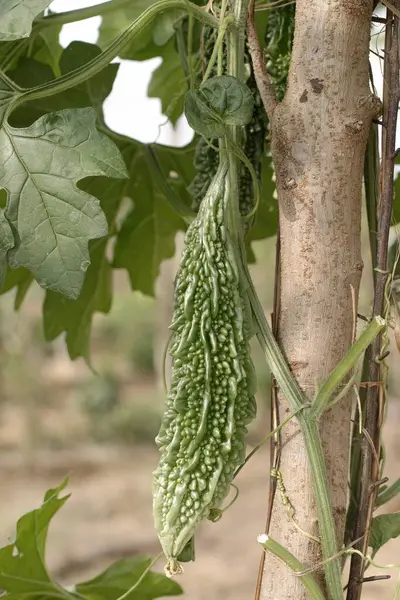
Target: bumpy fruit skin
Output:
[(211, 400)]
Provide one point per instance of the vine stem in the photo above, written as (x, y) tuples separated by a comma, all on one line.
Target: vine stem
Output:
[(324, 394), (375, 394), (293, 564), (264, 84), (79, 14), (102, 60)]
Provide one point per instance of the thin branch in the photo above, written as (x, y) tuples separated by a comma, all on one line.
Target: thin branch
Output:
[(80, 14), (264, 84), (271, 5), (275, 443), (369, 468)]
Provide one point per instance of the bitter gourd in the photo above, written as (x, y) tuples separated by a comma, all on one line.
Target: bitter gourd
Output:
[(211, 399)]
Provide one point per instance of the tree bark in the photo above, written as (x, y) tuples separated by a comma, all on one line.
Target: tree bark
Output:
[(319, 135)]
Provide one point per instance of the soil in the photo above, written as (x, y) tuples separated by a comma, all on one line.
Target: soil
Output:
[(109, 516)]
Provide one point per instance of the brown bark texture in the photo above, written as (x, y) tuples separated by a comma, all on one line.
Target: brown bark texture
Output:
[(319, 135)]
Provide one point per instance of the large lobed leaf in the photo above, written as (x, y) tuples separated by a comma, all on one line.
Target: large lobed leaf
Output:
[(52, 218), (23, 572), (383, 529), (122, 575), (147, 236), (22, 563)]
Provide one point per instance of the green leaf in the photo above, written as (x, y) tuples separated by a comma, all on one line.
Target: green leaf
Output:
[(6, 242), (388, 493), (149, 43), (142, 46), (164, 27), (96, 89), (122, 575), (43, 47), (47, 48), (147, 235), (74, 317), (168, 82), (384, 528), (23, 572), (219, 102), (16, 17), (133, 252), (20, 279), (93, 92), (53, 219), (22, 563)]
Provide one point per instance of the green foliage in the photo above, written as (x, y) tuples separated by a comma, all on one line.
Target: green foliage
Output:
[(92, 92), (50, 157), (279, 38), (169, 83), (55, 243), (16, 17), (147, 234), (23, 573), (121, 576), (22, 567), (387, 493), (383, 529), (143, 46), (219, 102), (52, 219), (6, 243), (152, 224)]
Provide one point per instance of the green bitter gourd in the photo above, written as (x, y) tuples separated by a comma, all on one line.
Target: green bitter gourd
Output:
[(211, 399)]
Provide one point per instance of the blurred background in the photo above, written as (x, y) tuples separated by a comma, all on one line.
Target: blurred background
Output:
[(59, 417)]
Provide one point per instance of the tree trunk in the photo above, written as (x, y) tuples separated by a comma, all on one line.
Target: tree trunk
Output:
[(319, 134)]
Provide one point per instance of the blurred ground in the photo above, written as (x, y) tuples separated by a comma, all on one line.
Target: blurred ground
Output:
[(109, 516), (56, 417)]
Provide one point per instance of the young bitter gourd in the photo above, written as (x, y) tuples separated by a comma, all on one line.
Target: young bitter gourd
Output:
[(211, 399)]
